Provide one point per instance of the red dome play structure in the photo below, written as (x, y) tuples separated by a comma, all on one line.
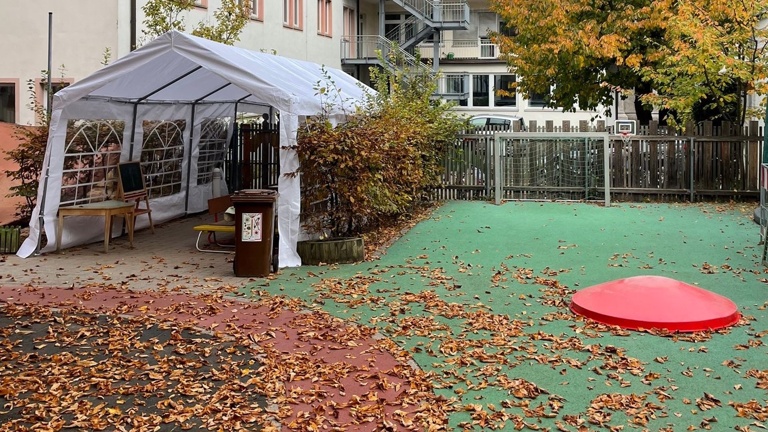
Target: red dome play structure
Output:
[(655, 302)]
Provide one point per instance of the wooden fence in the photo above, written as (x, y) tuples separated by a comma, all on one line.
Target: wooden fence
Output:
[(661, 164), (658, 164)]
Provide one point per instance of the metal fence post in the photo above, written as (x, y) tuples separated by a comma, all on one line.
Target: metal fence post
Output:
[(692, 153), (497, 172)]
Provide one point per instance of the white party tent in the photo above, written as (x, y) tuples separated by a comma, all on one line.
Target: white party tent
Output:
[(179, 76)]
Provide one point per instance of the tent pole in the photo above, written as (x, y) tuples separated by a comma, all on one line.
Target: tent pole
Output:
[(133, 130), (189, 156), (232, 171)]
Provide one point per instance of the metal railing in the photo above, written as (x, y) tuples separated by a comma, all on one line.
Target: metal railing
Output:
[(479, 48), (368, 48), (438, 13), (410, 32), (406, 30)]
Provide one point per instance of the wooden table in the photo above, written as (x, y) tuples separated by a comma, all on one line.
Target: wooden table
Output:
[(105, 208)]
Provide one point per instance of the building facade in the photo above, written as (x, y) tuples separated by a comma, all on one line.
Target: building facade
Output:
[(347, 34), (96, 32), (452, 35)]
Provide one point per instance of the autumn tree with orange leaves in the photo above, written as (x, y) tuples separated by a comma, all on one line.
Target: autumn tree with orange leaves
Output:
[(699, 59)]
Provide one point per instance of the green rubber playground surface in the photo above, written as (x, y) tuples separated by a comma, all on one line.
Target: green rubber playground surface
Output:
[(478, 295)]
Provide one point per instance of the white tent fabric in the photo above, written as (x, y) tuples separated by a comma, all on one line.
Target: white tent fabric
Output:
[(179, 76)]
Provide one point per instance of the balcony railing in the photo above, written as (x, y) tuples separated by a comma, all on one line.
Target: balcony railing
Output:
[(443, 14), (366, 49), (409, 32), (480, 48)]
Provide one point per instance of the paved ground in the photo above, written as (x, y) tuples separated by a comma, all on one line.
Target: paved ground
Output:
[(166, 259), (300, 356), (477, 297)]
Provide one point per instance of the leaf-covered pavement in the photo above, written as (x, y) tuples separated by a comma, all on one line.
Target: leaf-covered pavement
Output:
[(265, 364), (477, 295), (62, 370)]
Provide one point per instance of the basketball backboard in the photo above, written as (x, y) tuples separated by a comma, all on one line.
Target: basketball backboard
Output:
[(626, 127)]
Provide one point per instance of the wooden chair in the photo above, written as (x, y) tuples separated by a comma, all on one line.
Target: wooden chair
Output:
[(216, 208), (131, 188)]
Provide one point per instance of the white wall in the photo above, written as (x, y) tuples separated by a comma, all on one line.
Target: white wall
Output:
[(82, 33), (79, 42), (269, 34)]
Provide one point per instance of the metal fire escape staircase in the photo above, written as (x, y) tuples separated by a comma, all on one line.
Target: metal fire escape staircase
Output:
[(428, 18)]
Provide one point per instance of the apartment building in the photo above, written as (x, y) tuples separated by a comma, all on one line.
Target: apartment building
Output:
[(453, 36)]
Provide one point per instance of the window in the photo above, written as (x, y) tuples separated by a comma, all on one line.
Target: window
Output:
[(255, 8), (293, 11), (41, 90), (161, 156), (480, 90), (507, 30), (537, 99), (55, 87), (92, 152), (324, 17), (349, 35), (505, 93), (454, 84), (8, 102), (213, 147), (487, 48)]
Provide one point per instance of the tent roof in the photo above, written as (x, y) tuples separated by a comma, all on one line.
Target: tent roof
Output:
[(178, 67)]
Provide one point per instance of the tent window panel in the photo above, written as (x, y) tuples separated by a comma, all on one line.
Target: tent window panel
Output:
[(213, 148), (162, 153), (91, 155)]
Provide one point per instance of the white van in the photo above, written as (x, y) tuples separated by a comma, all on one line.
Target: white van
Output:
[(494, 122)]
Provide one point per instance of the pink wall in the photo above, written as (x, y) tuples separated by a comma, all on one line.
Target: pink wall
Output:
[(7, 205)]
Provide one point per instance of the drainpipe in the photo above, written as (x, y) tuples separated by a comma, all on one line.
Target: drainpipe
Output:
[(133, 26), (49, 96)]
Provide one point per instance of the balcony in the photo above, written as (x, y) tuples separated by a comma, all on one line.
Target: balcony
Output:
[(462, 49)]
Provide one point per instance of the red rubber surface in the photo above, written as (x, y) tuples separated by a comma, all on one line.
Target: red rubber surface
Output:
[(655, 302)]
